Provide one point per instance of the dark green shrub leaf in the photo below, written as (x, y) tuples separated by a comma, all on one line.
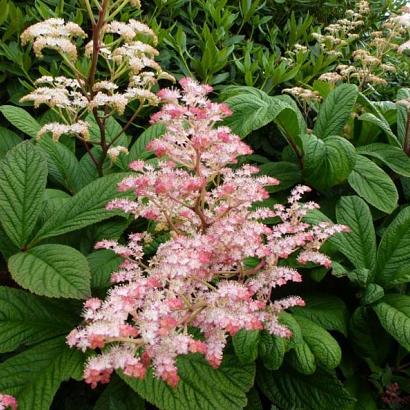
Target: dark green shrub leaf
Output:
[(373, 185), (394, 314), (201, 387), (335, 111), (102, 264), (52, 270), (287, 173), (302, 359), (21, 119), (358, 245), (272, 350), (291, 390), (34, 376), (372, 294), (138, 149), (8, 139), (245, 343), (382, 123), (23, 177)]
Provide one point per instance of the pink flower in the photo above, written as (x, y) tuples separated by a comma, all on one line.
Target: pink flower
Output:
[(7, 402)]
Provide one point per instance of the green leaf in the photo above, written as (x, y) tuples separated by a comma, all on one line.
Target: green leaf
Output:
[(393, 256), (23, 177), (382, 123), (290, 322), (118, 396), (28, 319), (291, 390), (327, 162), (373, 185), (201, 387), (325, 348), (21, 119), (272, 350), (358, 245), (85, 208), (52, 270), (245, 343), (63, 165), (372, 294), (8, 139), (394, 315), (327, 311), (35, 375), (335, 111), (394, 157), (287, 173), (102, 264), (402, 113), (302, 359), (139, 148)]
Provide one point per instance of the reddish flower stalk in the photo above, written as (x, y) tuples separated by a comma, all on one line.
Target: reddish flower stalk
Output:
[(199, 277)]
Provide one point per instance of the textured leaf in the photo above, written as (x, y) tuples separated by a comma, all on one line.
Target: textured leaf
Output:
[(23, 177), (394, 315), (28, 319), (272, 350), (34, 376), (394, 157), (52, 270), (328, 311), (8, 139), (358, 245), (138, 149), (372, 294), (335, 111), (245, 343), (201, 387), (302, 359), (327, 162), (21, 119), (325, 348), (85, 208), (287, 173), (373, 185), (289, 321), (291, 390), (63, 165), (393, 256), (402, 113), (102, 264), (382, 123)]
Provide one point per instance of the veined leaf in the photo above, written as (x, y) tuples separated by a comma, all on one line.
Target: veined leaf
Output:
[(34, 376), (52, 270), (272, 350), (139, 148), (358, 245), (402, 113), (381, 122), (291, 390), (394, 314), (21, 119), (373, 185), (102, 264), (335, 111), (28, 319), (85, 208), (302, 359), (393, 257), (8, 139), (23, 177), (287, 173), (394, 157), (245, 343), (201, 387)]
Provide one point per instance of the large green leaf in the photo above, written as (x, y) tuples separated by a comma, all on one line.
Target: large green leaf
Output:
[(21, 119), (28, 319), (382, 123), (394, 314), (34, 376), (324, 347), (23, 177), (139, 148), (335, 111), (287, 173), (85, 208), (8, 139), (63, 165), (402, 114), (327, 162), (102, 264), (272, 350), (373, 185), (393, 256), (358, 245), (52, 270), (394, 157), (201, 387), (245, 343), (302, 359), (291, 390), (328, 311)]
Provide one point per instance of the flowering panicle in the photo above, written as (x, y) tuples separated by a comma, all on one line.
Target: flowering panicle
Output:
[(202, 276), (7, 402)]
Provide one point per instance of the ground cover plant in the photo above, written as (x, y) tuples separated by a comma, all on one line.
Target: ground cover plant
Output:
[(204, 205)]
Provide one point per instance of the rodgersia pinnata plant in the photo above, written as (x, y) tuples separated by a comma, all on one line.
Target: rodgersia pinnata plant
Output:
[(7, 402), (199, 287), (116, 67)]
